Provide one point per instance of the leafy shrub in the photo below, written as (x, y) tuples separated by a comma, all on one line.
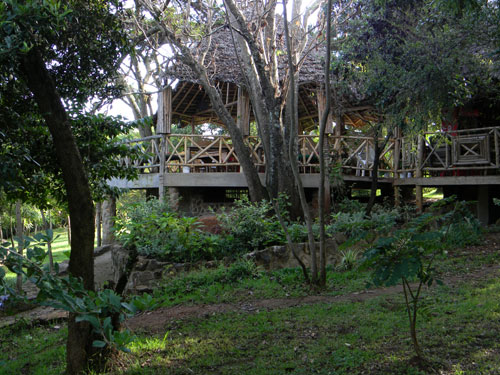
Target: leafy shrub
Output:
[(357, 227), (155, 232), (465, 229), (65, 293), (298, 231), (348, 260), (351, 206), (252, 225)]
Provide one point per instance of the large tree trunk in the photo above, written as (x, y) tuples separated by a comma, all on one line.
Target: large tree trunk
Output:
[(262, 88), (255, 188), (81, 210), (19, 235), (322, 167)]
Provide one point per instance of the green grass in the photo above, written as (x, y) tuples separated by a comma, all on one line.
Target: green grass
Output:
[(433, 193), (32, 350), (458, 331), (458, 328), (238, 284)]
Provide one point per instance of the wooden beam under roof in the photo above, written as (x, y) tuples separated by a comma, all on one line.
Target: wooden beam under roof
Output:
[(183, 98)]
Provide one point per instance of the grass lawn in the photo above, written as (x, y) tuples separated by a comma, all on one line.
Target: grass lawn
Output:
[(433, 193), (458, 327)]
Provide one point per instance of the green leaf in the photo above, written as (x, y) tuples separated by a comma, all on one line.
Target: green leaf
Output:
[(89, 318), (98, 344)]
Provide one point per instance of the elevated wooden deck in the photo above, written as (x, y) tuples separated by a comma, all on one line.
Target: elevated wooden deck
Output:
[(460, 157)]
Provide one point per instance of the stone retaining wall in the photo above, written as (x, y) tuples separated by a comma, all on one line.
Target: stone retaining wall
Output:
[(147, 272)]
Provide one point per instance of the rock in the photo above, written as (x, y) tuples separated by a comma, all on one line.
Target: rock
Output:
[(101, 250), (277, 257), (119, 258)]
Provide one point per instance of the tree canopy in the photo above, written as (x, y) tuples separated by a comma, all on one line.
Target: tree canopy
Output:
[(414, 59)]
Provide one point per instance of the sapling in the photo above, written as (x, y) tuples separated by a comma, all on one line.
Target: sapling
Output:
[(409, 253)]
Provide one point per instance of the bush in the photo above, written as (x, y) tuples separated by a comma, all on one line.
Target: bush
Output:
[(252, 225), (155, 232), (357, 227)]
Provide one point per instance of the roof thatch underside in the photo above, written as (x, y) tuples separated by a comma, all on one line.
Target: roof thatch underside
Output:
[(191, 106)]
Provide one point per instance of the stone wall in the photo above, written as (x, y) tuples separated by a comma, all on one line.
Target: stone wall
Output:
[(280, 256), (147, 273)]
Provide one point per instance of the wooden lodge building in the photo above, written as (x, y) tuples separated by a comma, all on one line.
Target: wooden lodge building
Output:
[(201, 170)]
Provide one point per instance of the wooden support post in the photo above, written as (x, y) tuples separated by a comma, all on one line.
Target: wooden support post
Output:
[(418, 173), (164, 121), (161, 175), (164, 127), (321, 109), (243, 112), (496, 134)]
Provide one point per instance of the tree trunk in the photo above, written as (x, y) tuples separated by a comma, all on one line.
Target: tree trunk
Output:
[(293, 119), (262, 89), (255, 188), (322, 168), (98, 222), (19, 235), (374, 183), (81, 210), (108, 220), (376, 163), (69, 230), (48, 225)]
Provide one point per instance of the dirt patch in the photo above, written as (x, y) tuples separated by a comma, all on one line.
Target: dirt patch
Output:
[(155, 321)]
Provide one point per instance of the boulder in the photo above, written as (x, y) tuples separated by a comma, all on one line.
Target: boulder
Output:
[(277, 257)]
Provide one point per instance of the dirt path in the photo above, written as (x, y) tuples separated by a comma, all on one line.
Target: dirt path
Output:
[(155, 321)]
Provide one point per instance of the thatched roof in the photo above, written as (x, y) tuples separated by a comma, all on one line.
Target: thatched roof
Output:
[(191, 105)]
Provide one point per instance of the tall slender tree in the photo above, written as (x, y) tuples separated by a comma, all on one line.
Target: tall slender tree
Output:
[(54, 57)]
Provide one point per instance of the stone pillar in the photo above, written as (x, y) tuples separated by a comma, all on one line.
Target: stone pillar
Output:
[(108, 220), (174, 198)]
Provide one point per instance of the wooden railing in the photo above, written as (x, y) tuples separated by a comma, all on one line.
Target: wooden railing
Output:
[(440, 153), (452, 153)]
